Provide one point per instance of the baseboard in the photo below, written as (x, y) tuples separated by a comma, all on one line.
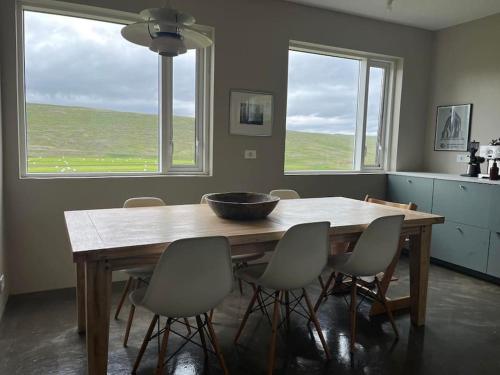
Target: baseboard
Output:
[(466, 271)]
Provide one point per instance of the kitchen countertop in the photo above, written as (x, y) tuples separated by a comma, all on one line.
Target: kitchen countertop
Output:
[(446, 176)]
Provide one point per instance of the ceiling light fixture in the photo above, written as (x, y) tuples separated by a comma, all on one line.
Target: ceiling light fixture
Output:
[(166, 31)]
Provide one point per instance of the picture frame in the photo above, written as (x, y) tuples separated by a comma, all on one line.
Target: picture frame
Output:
[(251, 113), (453, 123)]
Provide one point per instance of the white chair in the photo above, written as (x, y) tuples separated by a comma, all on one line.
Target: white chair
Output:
[(140, 275), (192, 277), (240, 260), (290, 268), (372, 254), (285, 194)]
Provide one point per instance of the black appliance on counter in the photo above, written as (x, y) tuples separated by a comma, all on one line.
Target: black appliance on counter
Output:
[(474, 166)]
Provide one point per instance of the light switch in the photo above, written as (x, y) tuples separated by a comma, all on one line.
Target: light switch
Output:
[(462, 158), (250, 154)]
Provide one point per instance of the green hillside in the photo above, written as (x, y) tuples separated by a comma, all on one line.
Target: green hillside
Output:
[(76, 139)]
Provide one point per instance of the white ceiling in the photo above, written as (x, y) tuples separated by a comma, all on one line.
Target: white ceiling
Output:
[(426, 14)]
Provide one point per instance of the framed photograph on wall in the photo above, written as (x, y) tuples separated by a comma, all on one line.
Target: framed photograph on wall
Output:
[(251, 113), (453, 127)]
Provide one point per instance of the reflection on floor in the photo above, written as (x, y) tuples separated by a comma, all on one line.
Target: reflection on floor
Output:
[(462, 336)]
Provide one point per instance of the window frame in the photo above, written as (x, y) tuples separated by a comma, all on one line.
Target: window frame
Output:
[(366, 61), (204, 96)]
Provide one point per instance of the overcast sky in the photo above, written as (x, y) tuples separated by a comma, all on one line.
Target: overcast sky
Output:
[(71, 61)]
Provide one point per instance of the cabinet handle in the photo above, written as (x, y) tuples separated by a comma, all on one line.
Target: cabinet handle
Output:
[(460, 230), (409, 181), (461, 187)]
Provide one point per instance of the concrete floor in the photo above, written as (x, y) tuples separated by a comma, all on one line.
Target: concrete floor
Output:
[(38, 336)]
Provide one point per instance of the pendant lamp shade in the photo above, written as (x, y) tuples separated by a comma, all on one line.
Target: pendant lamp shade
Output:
[(166, 31)]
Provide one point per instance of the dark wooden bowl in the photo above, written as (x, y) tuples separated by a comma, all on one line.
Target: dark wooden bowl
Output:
[(242, 206)]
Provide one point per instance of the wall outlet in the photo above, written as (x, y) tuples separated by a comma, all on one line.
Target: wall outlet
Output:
[(2, 283), (462, 158), (250, 154)]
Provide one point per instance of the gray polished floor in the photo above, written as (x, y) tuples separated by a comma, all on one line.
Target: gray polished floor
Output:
[(462, 336)]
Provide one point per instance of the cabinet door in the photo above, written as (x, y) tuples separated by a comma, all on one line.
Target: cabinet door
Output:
[(461, 244), (406, 189), (495, 208), (494, 255), (462, 202)]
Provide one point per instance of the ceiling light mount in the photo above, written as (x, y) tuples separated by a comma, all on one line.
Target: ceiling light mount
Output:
[(166, 31)]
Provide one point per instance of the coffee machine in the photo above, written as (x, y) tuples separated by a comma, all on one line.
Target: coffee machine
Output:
[(490, 153), (474, 167)]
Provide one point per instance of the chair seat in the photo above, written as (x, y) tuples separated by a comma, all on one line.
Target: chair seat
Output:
[(140, 272), (251, 273), (246, 257), (136, 297)]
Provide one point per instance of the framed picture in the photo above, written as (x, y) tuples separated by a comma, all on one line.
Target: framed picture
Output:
[(251, 113), (453, 127)]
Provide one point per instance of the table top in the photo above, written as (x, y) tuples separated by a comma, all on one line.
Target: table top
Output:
[(99, 231)]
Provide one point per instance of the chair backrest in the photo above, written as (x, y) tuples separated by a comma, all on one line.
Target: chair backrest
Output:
[(285, 194), (408, 206), (143, 202), (376, 247), (299, 257), (192, 277)]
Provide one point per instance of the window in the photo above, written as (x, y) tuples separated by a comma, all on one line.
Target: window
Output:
[(336, 110), (95, 104)]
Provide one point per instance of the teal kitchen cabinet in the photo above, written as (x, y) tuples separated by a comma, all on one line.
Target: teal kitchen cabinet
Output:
[(495, 208), (405, 189), (494, 255), (463, 202), (461, 244)]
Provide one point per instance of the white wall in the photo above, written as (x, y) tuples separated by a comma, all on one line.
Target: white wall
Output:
[(3, 257), (466, 69), (251, 52)]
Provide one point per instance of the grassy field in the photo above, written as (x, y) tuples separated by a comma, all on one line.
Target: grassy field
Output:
[(74, 139)]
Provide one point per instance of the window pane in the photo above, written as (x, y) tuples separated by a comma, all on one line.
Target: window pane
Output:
[(321, 113), (374, 117), (184, 108), (91, 97)]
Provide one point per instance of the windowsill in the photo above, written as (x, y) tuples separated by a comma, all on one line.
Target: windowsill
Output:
[(109, 176), (338, 173)]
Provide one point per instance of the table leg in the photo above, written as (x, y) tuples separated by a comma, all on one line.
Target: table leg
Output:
[(80, 296), (98, 306), (419, 273)]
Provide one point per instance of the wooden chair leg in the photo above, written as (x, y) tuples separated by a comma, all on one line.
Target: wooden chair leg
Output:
[(383, 300), (247, 313), (215, 345), (259, 299), (199, 323), (324, 291), (353, 310), (314, 318), (122, 298), (272, 345), (211, 314), (129, 324), (389, 272), (287, 306), (145, 344), (163, 349), (240, 284), (186, 322), (321, 282)]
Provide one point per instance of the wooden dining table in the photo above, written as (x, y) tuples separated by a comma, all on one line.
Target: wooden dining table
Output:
[(106, 240)]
